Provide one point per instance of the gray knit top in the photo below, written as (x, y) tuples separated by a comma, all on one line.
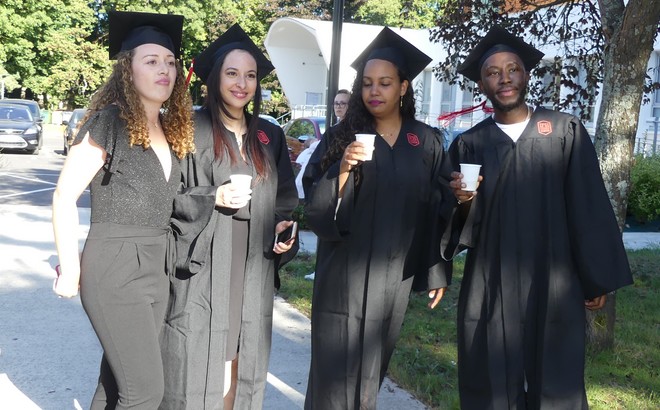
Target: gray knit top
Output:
[(130, 189)]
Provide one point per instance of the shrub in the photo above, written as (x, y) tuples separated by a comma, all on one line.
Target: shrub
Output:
[(644, 197)]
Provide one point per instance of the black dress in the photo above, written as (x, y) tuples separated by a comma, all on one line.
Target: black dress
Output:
[(195, 336), (541, 238), (385, 235)]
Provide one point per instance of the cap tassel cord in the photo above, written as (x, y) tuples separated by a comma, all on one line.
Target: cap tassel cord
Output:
[(445, 119), (190, 72)]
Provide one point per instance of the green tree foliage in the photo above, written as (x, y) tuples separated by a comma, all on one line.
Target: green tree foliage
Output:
[(398, 13), (48, 46)]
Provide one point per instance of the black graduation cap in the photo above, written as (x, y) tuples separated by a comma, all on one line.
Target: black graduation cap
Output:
[(498, 40), (391, 47), (129, 29), (234, 38)]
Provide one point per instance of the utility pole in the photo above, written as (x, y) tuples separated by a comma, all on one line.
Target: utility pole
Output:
[(333, 70), (2, 85)]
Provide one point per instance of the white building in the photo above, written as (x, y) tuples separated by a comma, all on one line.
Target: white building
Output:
[(300, 50)]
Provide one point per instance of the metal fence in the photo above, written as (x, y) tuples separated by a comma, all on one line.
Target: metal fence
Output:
[(308, 111)]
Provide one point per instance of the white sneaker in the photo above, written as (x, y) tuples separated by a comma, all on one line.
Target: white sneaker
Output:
[(310, 276)]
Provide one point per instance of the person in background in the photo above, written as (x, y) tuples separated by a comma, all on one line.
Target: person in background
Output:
[(378, 224), (303, 158), (305, 178), (541, 237), (217, 336), (127, 151), (340, 104)]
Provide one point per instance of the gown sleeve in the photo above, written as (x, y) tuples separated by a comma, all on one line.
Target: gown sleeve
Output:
[(286, 198), (287, 194), (460, 232), (439, 272), (328, 221), (313, 169), (192, 220), (596, 241)]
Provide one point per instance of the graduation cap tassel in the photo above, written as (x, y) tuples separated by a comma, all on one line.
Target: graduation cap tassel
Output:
[(445, 119), (190, 71)]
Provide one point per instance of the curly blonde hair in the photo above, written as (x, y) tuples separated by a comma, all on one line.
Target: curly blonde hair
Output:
[(176, 113)]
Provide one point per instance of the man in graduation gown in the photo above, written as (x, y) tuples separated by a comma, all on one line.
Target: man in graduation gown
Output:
[(542, 242)]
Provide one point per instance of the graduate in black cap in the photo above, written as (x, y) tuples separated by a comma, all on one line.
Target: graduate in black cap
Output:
[(127, 150), (542, 242), (378, 223), (216, 342)]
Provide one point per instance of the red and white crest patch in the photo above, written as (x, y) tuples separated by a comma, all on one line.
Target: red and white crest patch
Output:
[(544, 127), (413, 139), (263, 137)]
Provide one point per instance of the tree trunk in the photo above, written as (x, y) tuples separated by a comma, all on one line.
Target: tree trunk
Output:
[(630, 33)]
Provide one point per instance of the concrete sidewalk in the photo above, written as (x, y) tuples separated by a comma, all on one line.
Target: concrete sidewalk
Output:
[(49, 354)]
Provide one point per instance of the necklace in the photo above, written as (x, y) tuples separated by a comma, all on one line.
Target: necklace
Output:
[(389, 134)]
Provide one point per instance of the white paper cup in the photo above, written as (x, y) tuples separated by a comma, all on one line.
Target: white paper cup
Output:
[(470, 176), (241, 181), (368, 141)]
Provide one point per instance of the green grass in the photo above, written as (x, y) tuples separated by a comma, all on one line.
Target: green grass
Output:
[(424, 362)]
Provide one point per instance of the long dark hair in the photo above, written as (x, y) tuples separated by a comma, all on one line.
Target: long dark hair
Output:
[(221, 142), (358, 119)]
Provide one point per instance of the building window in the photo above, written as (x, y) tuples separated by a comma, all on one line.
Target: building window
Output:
[(656, 93), (313, 98), (425, 103), (467, 101), (590, 86), (550, 83)]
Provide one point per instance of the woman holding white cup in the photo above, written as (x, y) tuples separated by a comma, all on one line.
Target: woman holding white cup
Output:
[(377, 210), (237, 193)]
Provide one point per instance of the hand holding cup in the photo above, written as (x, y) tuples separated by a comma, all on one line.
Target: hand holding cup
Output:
[(466, 182), (358, 151), (236, 194)]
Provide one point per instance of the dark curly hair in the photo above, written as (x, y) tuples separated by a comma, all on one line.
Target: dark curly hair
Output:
[(358, 119), (176, 115)]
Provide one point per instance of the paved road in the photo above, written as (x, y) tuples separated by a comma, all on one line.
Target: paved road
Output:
[(49, 354)]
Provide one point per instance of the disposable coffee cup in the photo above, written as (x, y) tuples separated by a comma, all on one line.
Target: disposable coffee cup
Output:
[(368, 141), (241, 182), (470, 176)]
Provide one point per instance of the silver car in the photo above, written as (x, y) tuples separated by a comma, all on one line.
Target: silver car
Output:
[(18, 130)]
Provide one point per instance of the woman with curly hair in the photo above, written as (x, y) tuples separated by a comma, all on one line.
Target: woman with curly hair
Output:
[(217, 334), (378, 214), (127, 150)]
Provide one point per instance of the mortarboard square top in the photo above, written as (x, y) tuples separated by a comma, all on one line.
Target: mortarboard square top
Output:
[(130, 29), (498, 40), (391, 47), (234, 38)]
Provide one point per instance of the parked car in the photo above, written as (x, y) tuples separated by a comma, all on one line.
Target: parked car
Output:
[(72, 127), (298, 130), (269, 119), (18, 130), (35, 112)]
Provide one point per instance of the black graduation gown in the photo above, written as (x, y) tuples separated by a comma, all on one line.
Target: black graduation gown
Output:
[(541, 238), (195, 332), (386, 233)]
